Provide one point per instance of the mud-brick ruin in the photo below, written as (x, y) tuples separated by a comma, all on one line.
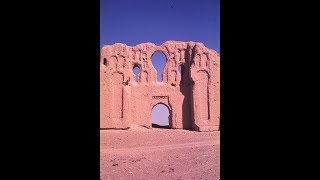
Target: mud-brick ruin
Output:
[(192, 97)]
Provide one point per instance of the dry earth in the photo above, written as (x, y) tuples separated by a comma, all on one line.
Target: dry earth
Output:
[(141, 153)]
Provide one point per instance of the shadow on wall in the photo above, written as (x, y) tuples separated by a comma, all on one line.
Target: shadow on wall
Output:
[(159, 126), (185, 84)]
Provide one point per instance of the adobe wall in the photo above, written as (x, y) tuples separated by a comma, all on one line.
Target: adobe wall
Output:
[(193, 98)]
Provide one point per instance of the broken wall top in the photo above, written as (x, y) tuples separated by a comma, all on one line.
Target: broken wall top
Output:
[(193, 55)]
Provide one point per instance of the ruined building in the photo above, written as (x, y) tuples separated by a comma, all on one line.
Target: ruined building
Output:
[(192, 97)]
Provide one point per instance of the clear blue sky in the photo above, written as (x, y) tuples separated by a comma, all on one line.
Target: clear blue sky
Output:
[(138, 21)]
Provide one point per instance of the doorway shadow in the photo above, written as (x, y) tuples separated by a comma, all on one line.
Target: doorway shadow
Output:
[(160, 127)]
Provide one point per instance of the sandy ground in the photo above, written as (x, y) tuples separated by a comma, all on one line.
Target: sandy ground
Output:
[(141, 153)]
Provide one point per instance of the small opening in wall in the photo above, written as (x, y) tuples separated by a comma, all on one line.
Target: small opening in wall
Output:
[(136, 71), (104, 61), (181, 71)]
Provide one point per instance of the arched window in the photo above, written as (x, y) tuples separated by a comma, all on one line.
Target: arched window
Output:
[(159, 61), (136, 71)]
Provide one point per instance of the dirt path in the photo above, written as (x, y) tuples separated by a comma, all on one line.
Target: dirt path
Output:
[(159, 154)]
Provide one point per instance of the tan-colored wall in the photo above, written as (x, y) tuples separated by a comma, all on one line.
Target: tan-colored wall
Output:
[(193, 104)]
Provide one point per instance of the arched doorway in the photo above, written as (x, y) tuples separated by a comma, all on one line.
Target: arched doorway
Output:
[(161, 116)]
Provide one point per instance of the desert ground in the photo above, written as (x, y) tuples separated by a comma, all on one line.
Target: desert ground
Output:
[(141, 153)]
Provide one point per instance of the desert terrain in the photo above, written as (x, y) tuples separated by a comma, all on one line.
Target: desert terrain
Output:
[(141, 153)]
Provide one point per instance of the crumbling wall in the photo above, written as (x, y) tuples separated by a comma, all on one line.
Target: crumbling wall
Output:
[(193, 97)]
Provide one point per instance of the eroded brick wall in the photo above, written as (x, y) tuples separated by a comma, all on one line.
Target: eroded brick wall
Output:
[(193, 98)]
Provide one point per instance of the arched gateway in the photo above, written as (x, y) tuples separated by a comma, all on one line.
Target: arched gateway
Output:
[(192, 97)]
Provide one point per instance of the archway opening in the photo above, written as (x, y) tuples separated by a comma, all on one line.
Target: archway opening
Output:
[(159, 61), (136, 72), (160, 116)]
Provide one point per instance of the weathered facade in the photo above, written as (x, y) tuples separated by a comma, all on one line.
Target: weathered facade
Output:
[(192, 97)]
